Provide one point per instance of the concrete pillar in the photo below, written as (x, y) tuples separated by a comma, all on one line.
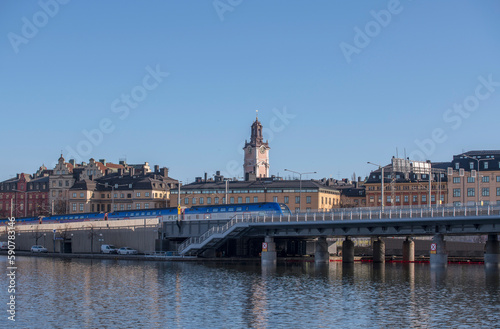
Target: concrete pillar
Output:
[(378, 251), (268, 254), (492, 251), (321, 254), (348, 251), (439, 256), (408, 251)]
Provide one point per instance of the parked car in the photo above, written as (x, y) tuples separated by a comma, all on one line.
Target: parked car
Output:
[(108, 249), (127, 251), (4, 245), (38, 248)]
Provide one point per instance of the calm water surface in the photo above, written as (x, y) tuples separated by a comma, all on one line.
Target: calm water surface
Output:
[(130, 294)]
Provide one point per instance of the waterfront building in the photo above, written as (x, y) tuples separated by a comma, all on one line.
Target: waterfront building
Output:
[(123, 190), (352, 193), (305, 195), (60, 181), (474, 177), (406, 183), (25, 195)]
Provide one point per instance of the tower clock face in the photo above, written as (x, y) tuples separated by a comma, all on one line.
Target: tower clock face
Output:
[(262, 150), (249, 150)]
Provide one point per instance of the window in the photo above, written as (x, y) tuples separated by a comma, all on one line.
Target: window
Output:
[(471, 179), (74, 196), (81, 206), (456, 192), (433, 198), (102, 196), (485, 165), (486, 191), (308, 199), (231, 199), (115, 195), (240, 199), (255, 199), (137, 206), (471, 192), (186, 200), (372, 199), (81, 194), (67, 183), (424, 198), (146, 194), (275, 199), (129, 206), (388, 198), (202, 201), (60, 183), (121, 207), (456, 180), (216, 200), (498, 191), (122, 195), (457, 166), (115, 207), (471, 165), (146, 206), (209, 200), (406, 198), (138, 194), (486, 179), (398, 198), (286, 200), (74, 206), (194, 201), (498, 179), (247, 199)]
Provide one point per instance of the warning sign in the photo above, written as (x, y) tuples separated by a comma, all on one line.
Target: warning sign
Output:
[(433, 248), (264, 246)]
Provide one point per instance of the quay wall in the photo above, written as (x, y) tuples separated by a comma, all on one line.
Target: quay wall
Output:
[(88, 236)]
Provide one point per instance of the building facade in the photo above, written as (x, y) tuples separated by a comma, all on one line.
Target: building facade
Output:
[(474, 178), (25, 196), (305, 196)]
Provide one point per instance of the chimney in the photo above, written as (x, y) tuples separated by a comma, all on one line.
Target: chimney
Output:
[(157, 168), (120, 171), (164, 172), (205, 177), (103, 161), (197, 179), (132, 171), (72, 161)]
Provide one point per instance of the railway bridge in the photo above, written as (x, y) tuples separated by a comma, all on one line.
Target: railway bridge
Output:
[(437, 222)]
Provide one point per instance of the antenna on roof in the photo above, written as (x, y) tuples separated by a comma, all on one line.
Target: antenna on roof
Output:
[(256, 114)]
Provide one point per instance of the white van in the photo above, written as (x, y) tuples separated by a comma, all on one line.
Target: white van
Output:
[(108, 249)]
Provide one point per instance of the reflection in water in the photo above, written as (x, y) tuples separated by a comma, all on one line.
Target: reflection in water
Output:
[(111, 293)]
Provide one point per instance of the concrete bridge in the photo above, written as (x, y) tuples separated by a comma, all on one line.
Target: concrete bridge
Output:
[(361, 222)]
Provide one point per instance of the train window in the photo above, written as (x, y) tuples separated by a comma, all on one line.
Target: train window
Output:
[(216, 210), (154, 212), (239, 209), (148, 213), (230, 209), (143, 213), (222, 209)]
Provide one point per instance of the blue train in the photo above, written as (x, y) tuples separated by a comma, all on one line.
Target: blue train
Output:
[(194, 213)]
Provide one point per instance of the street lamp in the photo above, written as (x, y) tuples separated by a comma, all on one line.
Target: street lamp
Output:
[(478, 176), (382, 180), (300, 184), (25, 200)]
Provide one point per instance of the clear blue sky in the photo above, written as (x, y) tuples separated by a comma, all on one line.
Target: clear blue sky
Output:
[(354, 97)]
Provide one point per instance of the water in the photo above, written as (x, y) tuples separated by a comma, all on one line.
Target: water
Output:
[(131, 294)]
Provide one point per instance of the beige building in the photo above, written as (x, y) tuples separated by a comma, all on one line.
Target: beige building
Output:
[(305, 196), (474, 177)]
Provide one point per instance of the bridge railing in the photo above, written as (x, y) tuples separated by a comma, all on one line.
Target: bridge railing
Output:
[(400, 213)]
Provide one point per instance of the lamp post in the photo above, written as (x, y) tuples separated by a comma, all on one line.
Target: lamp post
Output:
[(382, 180), (300, 184), (25, 200), (478, 176)]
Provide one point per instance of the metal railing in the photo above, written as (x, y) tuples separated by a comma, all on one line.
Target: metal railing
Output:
[(395, 213)]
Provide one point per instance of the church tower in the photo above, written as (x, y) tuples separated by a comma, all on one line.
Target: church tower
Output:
[(256, 152)]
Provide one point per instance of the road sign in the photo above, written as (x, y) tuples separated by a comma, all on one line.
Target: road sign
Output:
[(264, 246), (53, 231), (433, 248)]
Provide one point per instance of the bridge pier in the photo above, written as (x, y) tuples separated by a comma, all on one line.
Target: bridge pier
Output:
[(347, 250), (439, 257), (408, 250), (321, 254), (378, 250), (269, 255), (492, 251)]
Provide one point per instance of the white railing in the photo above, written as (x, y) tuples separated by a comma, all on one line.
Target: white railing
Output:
[(395, 213)]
